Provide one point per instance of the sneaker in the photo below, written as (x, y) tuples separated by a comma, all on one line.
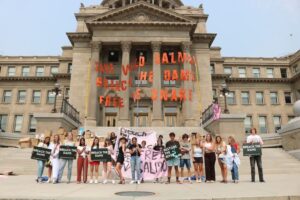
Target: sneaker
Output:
[(105, 181), (199, 181), (113, 181), (138, 182), (132, 182), (91, 181), (96, 181)]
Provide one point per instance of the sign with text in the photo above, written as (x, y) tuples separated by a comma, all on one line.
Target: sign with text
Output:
[(251, 150), (101, 155), (171, 152), (40, 153), (67, 152)]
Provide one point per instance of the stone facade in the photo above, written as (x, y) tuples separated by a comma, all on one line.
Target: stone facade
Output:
[(115, 31)]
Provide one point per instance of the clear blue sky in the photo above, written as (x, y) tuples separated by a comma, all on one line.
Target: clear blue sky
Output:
[(244, 27)]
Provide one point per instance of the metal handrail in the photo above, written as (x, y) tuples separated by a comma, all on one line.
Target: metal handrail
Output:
[(207, 114), (70, 111)]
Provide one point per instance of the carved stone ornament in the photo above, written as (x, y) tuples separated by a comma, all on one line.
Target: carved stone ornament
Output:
[(96, 45), (126, 45), (156, 46), (186, 46)]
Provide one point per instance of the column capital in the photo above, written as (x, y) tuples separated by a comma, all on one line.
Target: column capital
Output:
[(96, 45), (186, 46), (156, 46), (126, 46)]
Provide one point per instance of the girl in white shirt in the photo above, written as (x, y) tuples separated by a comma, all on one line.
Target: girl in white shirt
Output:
[(108, 165), (54, 146), (82, 161), (197, 153)]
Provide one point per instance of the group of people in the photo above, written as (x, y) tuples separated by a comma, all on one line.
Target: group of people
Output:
[(202, 151)]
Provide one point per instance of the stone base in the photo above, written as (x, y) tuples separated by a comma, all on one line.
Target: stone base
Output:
[(123, 123), (90, 122), (290, 134), (157, 122)]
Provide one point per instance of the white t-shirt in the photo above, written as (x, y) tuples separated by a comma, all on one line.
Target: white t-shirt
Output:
[(254, 139), (84, 153)]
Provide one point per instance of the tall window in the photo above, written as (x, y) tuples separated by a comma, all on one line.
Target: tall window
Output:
[(256, 72), (32, 124), (113, 56), (227, 70), (7, 95), (25, 71), (54, 70), (110, 119), (230, 98), (259, 97), (263, 124), (245, 98), (67, 92), (50, 97), (277, 122), (3, 122), (141, 119), (274, 97), (170, 120), (39, 71), (212, 68), (248, 124), (242, 72), (288, 97), (141, 53), (69, 68), (270, 73), (36, 96), (11, 71), (283, 72), (18, 123), (21, 96)]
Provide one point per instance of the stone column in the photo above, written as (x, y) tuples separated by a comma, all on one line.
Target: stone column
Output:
[(93, 95), (157, 119), (124, 119), (188, 85)]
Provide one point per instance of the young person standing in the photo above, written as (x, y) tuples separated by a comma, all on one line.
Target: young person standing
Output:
[(235, 150), (82, 161), (210, 159), (41, 163), (121, 158), (185, 159), (174, 162), (94, 165), (48, 163), (54, 146), (197, 152), (135, 161), (107, 166), (221, 155), (253, 138)]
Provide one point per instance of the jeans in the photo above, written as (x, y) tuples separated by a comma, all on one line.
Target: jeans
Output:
[(135, 162), (235, 172), (41, 165), (256, 159), (62, 164)]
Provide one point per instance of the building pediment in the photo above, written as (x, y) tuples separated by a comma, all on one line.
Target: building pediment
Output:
[(140, 12)]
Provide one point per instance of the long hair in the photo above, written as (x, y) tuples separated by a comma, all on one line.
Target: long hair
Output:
[(107, 142), (232, 140), (96, 138), (82, 139), (211, 139), (217, 139), (58, 138)]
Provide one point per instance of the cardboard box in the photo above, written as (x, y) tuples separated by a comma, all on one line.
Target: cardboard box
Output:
[(34, 142), (25, 142)]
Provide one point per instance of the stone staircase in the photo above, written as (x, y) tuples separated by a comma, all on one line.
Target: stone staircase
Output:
[(275, 161)]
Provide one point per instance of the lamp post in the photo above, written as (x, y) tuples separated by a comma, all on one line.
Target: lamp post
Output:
[(56, 91), (224, 92)]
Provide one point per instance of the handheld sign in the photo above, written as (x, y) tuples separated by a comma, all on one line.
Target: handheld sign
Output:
[(251, 149), (41, 153), (101, 155), (67, 152), (171, 152)]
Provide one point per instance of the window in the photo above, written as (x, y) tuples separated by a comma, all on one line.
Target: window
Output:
[(110, 120), (113, 56), (277, 122), (212, 68), (22, 96), (54, 70), (140, 120), (274, 97), (256, 72), (50, 97), (36, 97), (215, 95), (170, 120), (139, 53), (67, 92), (18, 123), (283, 72), (3, 122), (32, 124), (270, 73), (245, 98), (11, 71), (242, 72), (7, 95), (227, 70), (262, 124), (259, 98), (39, 71), (295, 68), (248, 124), (288, 97), (69, 68), (138, 82), (25, 71), (230, 98)]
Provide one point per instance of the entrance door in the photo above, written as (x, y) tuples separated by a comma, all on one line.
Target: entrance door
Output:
[(110, 120)]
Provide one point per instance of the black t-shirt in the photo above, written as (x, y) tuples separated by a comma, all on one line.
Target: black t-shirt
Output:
[(172, 143), (135, 152)]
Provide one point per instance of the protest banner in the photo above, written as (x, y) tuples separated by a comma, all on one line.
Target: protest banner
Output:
[(40, 153), (171, 152), (67, 152), (252, 149), (100, 154)]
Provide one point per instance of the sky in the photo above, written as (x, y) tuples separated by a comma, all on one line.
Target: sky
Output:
[(254, 28)]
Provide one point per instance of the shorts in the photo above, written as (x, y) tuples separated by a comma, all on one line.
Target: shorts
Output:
[(173, 162), (198, 160), (186, 162), (120, 160), (93, 163)]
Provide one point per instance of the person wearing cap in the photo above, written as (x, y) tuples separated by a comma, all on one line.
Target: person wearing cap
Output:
[(41, 163), (121, 158), (174, 161)]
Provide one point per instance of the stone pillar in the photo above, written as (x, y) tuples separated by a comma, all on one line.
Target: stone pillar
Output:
[(188, 85), (123, 3), (93, 95), (124, 119), (157, 119)]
